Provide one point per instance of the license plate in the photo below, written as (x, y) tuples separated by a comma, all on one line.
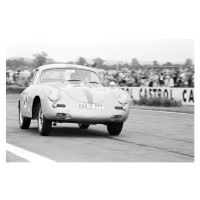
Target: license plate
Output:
[(91, 107)]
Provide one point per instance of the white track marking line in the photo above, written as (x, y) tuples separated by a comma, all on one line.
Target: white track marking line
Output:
[(179, 113), (32, 157)]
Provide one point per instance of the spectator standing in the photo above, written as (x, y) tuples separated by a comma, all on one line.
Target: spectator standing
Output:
[(161, 80), (171, 82), (166, 81), (151, 83), (122, 83), (7, 78), (11, 77), (179, 82), (14, 76), (175, 76), (155, 83), (193, 80)]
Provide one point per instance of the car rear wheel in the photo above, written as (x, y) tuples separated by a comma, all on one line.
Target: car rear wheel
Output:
[(83, 126), (115, 128), (24, 122), (44, 125)]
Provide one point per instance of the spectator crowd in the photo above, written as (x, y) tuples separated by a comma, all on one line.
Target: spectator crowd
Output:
[(18, 78), (141, 77), (152, 77)]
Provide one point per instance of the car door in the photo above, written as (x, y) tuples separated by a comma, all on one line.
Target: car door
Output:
[(29, 94)]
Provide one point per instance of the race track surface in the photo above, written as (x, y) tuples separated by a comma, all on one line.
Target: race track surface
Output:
[(147, 136)]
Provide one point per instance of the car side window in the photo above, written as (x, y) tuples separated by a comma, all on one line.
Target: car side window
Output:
[(36, 78)]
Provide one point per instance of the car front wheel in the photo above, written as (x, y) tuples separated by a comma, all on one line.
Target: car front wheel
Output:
[(83, 126), (44, 125), (24, 122), (115, 128)]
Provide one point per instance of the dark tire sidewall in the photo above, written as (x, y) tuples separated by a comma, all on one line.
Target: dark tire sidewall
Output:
[(46, 125), (25, 124), (115, 128), (83, 126)]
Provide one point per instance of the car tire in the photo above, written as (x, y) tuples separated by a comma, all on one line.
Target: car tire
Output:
[(24, 122), (44, 125), (83, 126), (115, 128)]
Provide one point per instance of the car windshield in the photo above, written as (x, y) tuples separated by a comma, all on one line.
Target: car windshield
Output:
[(73, 75)]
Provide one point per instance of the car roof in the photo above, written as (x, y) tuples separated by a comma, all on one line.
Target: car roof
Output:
[(64, 66)]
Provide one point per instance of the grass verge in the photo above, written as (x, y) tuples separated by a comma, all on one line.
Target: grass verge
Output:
[(157, 101), (160, 104)]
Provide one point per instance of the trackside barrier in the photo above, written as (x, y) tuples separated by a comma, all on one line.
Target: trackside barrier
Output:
[(185, 95)]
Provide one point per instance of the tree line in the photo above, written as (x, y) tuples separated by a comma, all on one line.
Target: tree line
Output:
[(43, 58)]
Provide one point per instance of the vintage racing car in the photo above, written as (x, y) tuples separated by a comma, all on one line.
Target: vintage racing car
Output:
[(67, 93)]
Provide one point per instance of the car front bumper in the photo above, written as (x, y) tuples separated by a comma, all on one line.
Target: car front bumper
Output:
[(111, 112)]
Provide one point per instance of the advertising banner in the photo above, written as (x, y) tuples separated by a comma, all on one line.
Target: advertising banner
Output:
[(185, 95)]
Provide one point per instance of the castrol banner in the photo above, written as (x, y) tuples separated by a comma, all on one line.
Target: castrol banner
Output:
[(185, 95)]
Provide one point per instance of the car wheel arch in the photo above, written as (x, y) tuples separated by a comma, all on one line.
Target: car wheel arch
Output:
[(35, 107)]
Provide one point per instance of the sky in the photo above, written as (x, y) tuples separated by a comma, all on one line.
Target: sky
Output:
[(112, 30), (161, 50)]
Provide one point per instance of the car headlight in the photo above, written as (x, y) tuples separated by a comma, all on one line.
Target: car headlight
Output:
[(123, 97), (53, 95)]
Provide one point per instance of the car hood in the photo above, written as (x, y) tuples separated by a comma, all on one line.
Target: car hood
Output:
[(85, 93)]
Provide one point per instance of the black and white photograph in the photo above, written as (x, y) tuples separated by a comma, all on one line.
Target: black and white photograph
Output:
[(100, 95), (97, 108)]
